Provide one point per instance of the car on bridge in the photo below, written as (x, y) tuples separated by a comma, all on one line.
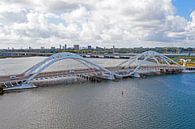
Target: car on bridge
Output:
[(13, 77)]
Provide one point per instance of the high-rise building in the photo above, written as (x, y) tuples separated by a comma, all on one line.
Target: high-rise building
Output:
[(113, 49), (65, 47), (76, 47), (89, 47)]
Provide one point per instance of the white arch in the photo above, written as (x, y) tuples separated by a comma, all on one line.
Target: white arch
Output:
[(140, 59), (38, 68), (152, 55)]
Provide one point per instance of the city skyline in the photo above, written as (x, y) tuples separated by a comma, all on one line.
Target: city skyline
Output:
[(152, 23)]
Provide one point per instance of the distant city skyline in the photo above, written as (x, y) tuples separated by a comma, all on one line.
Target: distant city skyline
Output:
[(122, 23), (79, 47)]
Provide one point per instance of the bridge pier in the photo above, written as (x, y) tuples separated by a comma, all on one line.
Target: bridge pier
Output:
[(170, 71), (90, 78), (58, 81), (1, 90)]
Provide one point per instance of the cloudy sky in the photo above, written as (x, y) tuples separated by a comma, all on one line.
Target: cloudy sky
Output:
[(123, 23)]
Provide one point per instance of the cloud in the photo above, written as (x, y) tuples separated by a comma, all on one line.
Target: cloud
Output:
[(124, 23)]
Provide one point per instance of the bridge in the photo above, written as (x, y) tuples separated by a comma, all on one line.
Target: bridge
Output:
[(146, 63)]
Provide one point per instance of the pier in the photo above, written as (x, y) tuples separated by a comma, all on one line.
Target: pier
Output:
[(147, 63)]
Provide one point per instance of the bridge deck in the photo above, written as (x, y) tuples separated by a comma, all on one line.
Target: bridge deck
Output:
[(89, 72)]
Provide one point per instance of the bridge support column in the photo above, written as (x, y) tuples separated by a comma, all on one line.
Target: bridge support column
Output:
[(1, 90), (136, 75), (111, 77)]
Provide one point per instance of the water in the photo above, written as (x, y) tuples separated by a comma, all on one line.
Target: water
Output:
[(163, 102), (11, 66)]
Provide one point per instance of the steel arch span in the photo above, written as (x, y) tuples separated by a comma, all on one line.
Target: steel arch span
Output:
[(138, 61), (148, 58), (35, 70)]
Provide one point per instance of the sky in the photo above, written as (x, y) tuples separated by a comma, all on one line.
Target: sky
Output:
[(104, 23), (184, 8)]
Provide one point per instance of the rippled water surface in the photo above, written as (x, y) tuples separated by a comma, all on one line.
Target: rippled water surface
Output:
[(164, 102)]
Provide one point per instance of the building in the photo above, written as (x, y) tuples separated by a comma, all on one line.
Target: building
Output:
[(42, 48), (89, 47), (65, 47), (113, 49), (53, 50), (76, 47)]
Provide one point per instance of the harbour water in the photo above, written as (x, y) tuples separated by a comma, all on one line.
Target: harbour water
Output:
[(161, 102), (10, 66)]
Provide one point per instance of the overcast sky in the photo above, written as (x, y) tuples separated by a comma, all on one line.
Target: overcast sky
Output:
[(123, 23)]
